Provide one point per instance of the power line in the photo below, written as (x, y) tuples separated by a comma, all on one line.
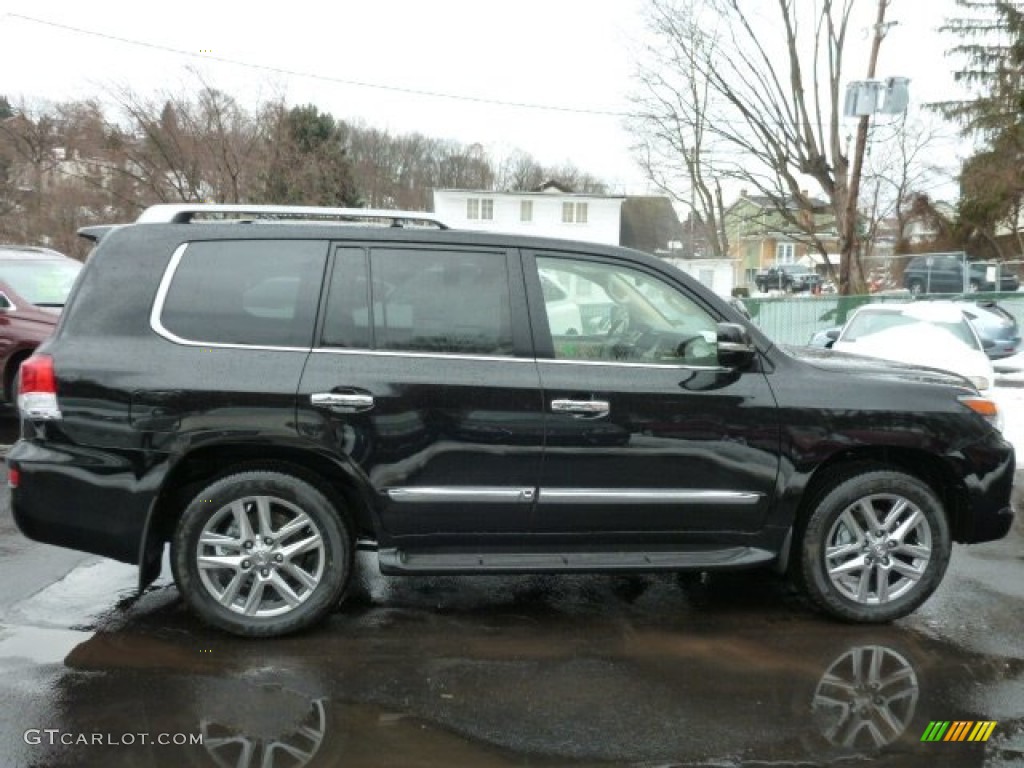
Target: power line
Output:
[(315, 76)]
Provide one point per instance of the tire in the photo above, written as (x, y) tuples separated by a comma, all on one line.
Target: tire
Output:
[(788, 288), (269, 584), (916, 287), (852, 573)]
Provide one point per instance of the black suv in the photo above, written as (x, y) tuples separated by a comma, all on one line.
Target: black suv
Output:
[(944, 273), (791, 278), (267, 396)]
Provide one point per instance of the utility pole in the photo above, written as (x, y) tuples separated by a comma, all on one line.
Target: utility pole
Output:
[(849, 226)]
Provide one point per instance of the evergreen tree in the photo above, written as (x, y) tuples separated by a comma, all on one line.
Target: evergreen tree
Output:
[(991, 52)]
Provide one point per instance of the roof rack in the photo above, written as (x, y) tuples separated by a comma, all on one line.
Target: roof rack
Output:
[(183, 213)]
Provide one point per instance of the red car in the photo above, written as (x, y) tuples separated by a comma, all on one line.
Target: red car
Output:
[(34, 284)]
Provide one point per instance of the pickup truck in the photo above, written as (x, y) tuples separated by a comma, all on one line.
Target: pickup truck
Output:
[(790, 278)]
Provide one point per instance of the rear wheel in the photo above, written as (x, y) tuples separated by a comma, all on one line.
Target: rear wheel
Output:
[(261, 554), (875, 547), (916, 287)]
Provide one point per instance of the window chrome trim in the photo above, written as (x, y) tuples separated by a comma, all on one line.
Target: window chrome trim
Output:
[(440, 494), (432, 355), (645, 496), (671, 366), (156, 323)]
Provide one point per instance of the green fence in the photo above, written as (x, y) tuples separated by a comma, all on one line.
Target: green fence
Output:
[(794, 319)]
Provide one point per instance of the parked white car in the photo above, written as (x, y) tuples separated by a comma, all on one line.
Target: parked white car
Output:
[(934, 334)]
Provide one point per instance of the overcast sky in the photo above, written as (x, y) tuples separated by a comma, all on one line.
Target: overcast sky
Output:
[(570, 54)]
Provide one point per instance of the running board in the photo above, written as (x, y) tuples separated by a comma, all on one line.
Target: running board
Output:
[(396, 561)]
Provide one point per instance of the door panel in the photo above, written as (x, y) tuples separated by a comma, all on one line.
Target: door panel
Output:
[(658, 438), (443, 415)]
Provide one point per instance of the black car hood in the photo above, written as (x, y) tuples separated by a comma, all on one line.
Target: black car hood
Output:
[(841, 362)]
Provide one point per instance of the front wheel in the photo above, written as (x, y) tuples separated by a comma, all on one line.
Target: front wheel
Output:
[(875, 547), (261, 554)]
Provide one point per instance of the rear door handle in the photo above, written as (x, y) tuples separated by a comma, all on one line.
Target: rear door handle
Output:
[(349, 402), (596, 408)]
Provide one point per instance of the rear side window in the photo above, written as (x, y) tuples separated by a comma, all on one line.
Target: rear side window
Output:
[(251, 292), (447, 301)]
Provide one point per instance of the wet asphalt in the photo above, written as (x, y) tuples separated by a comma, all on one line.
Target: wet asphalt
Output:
[(646, 671)]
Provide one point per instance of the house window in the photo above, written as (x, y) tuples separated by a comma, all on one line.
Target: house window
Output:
[(785, 253), (574, 213), (526, 210), (479, 209)]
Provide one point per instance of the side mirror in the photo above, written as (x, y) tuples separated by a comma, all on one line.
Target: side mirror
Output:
[(735, 349), (5, 303)]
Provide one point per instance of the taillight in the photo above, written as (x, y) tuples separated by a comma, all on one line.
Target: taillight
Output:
[(13, 477), (37, 389)]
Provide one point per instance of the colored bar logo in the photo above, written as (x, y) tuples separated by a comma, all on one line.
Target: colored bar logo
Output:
[(959, 730)]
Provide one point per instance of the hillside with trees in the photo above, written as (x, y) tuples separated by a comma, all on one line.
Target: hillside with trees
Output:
[(68, 165)]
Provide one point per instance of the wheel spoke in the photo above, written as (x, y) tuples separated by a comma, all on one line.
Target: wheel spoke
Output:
[(864, 585), (302, 546), (907, 525), (867, 510), (883, 597), (842, 550), (296, 525), (255, 598), (284, 590), (263, 515), (852, 525), (220, 562), (227, 598), (916, 551), (245, 532), (875, 667), (219, 540), (850, 566), (305, 578), (905, 569), (894, 514)]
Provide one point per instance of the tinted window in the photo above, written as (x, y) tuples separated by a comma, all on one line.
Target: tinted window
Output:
[(258, 292), (347, 321), (609, 312), (40, 281), (441, 301)]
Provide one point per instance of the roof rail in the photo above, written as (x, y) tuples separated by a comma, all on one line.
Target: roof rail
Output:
[(183, 213)]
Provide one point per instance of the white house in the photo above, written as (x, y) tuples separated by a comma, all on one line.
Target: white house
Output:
[(716, 274), (549, 212)]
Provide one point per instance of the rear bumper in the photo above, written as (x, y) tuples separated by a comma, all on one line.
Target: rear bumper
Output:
[(85, 499)]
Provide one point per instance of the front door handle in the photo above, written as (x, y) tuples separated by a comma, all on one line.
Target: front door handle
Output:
[(348, 402), (595, 408)]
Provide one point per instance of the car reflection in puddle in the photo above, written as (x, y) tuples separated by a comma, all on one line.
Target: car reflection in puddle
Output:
[(230, 748), (397, 687), (866, 699)]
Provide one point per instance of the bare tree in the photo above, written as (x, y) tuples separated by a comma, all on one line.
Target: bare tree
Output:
[(901, 167), (758, 84), (672, 114)]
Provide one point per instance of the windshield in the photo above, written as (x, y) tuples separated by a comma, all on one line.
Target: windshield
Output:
[(45, 283)]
